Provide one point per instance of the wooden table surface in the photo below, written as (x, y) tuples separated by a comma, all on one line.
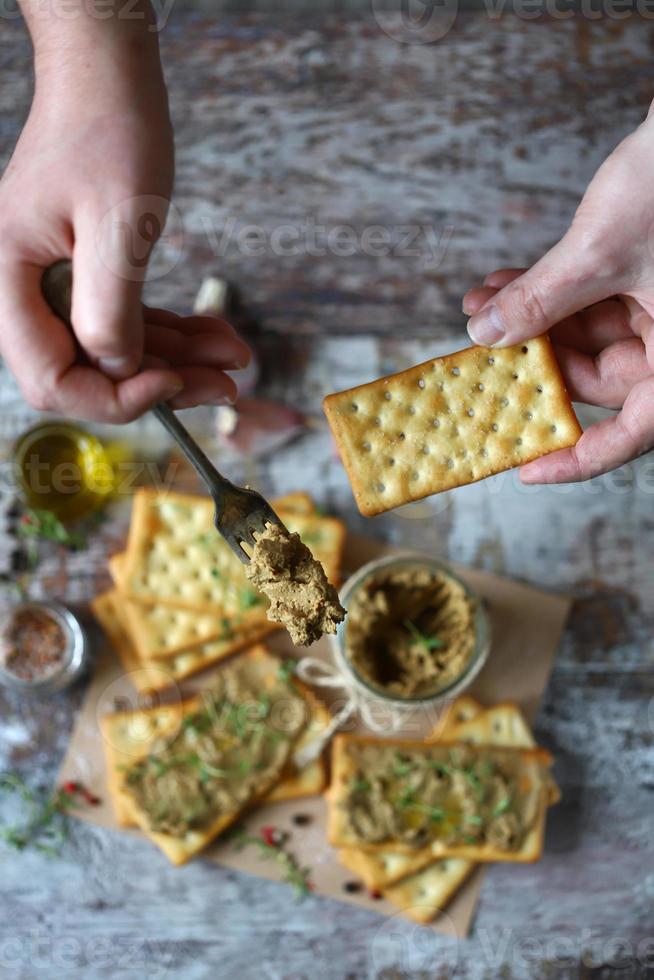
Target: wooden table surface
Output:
[(482, 143)]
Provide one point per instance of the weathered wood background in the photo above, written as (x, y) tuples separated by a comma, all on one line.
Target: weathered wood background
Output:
[(483, 142)]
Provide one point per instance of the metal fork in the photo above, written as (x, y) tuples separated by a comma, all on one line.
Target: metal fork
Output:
[(240, 513)]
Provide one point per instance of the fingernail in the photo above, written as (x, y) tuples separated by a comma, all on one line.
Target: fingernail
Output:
[(175, 388), (486, 327), (116, 367)]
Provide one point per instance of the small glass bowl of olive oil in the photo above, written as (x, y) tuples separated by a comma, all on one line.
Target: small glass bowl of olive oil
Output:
[(63, 469)]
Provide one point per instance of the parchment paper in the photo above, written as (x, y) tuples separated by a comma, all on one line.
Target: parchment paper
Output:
[(526, 626)]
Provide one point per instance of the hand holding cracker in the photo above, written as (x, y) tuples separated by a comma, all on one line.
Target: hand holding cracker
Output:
[(595, 288), (450, 421)]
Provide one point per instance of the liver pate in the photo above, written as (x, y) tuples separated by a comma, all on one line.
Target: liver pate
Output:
[(301, 597)]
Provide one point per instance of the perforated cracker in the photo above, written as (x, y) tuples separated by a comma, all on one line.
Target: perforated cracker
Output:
[(422, 896), (259, 671), (162, 632), (464, 720), (176, 557), (344, 833), (451, 421), (129, 736), (157, 675)]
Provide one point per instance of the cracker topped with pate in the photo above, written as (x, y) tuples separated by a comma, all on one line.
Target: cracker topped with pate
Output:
[(482, 803)]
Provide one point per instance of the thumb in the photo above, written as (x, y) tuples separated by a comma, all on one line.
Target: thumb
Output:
[(107, 315), (553, 289)]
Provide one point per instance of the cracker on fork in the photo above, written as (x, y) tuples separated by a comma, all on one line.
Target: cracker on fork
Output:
[(451, 421)]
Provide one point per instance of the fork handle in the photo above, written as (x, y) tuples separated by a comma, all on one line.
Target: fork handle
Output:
[(56, 285), (217, 484)]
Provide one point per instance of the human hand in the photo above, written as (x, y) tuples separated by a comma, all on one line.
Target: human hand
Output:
[(595, 290), (90, 179)]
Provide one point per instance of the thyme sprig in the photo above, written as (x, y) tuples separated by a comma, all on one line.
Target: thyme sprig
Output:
[(502, 806), (428, 643), (45, 826), (46, 526), (286, 670), (271, 845)]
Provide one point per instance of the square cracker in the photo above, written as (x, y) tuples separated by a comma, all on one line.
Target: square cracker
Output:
[(420, 886), (297, 502), (128, 736), (533, 762), (155, 675), (161, 631), (261, 668), (451, 421), (175, 556), (422, 896)]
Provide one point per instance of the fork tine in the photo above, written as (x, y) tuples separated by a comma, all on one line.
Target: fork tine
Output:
[(247, 516), (237, 548), (246, 535)]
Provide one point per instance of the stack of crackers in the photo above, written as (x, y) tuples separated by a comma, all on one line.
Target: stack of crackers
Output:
[(181, 601), (419, 882), (131, 736)]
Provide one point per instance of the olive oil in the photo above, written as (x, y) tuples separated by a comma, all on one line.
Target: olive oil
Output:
[(64, 470)]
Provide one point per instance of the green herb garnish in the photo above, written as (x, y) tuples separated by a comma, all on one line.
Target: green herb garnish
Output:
[(429, 643), (286, 670), (401, 767), (45, 826), (501, 807), (405, 799), (475, 782), (263, 705), (294, 875), (441, 767), (433, 812), (197, 723), (248, 598), (358, 785), (44, 525)]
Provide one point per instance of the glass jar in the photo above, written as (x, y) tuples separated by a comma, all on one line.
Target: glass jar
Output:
[(436, 697), (63, 469), (74, 654)]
